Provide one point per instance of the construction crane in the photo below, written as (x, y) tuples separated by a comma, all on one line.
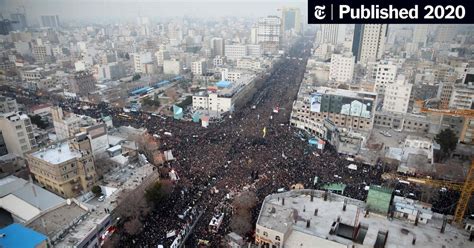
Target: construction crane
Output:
[(466, 193), (467, 188), (466, 113)]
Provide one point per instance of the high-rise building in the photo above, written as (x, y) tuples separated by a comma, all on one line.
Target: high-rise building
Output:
[(40, 52), (82, 83), (217, 46), (291, 19), (329, 33), (368, 43), (445, 94), (5, 27), (253, 35), (50, 21), (445, 33), (198, 67), (342, 67), (385, 74), (420, 34), (397, 96), (17, 132), (139, 59), (268, 33), (18, 21), (161, 56)]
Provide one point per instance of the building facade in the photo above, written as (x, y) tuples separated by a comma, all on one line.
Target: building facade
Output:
[(385, 74), (8, 105), (82, 83), (329, 33), (342, 67), (368, 43), (397, 96), (17, 132), (65, 168), (353, 110)]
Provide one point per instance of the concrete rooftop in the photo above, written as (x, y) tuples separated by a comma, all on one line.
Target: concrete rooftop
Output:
[(276, 216)]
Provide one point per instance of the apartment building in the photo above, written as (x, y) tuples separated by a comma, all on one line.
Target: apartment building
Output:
[(17, 132), (342, 67), (397, 96), (66, 168)]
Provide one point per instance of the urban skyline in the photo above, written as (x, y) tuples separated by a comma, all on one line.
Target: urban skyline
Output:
[(231, 124)]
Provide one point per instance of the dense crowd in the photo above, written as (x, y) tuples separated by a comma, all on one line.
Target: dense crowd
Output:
[(235, 155)]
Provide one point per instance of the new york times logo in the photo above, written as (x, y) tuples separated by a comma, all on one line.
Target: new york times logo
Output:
[(390, 11), (319, 12)]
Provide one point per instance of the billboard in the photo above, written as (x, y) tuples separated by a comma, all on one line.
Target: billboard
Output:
[(345, 105), (357, 107), (177, 112), (316, 102)]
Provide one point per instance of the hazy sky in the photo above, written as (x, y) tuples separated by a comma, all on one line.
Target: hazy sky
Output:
[(155, 9)]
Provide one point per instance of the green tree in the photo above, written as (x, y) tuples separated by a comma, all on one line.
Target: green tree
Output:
[(38, 121), (136, 77), (186, 102), (127, 56), (447, 140), (148, 101), (157, 192), (97, 190)]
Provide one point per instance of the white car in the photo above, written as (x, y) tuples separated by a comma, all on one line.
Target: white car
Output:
[(101, 198)]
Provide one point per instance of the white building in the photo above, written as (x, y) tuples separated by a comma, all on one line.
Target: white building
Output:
[(329, 33), (139, 59), (222, 99), (218, 61), (462, 96), (385, 74), (323, 51), (397, 96), (410, 210), (342, 67), (420, 34), (212, 102), (249, 64), (233, 75), (269, 29), (268, 33), (161, 56), (233, 52), (66, 125), (199, 67), (368, 44), (254, 50), (17, 132), (172, 67), (253, 35)]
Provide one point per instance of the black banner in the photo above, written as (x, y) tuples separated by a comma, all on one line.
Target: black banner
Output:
[(390, 11)]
